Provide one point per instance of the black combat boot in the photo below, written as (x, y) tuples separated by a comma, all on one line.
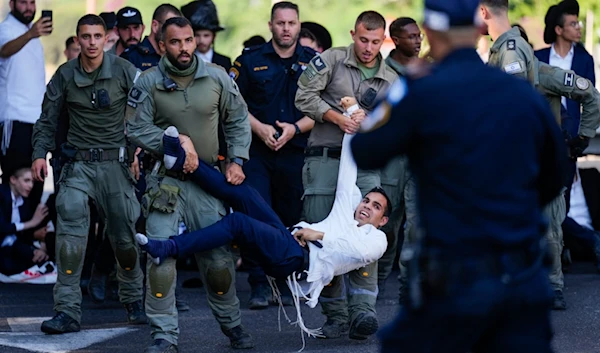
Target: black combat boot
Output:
[(334, 329), (363, 326), (60, 323), (240, 339), (559, 301), (135, 313), (96, 287), (162, 346)]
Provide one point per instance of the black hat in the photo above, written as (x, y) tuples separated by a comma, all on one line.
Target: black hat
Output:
[(553, 15), (129, 16), (322, 34), (110, 19), (202, 14), (442, 15)]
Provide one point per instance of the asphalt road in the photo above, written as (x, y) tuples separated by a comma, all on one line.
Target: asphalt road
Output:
[(22, 308)]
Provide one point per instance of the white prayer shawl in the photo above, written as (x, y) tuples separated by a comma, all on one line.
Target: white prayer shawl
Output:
[(346, 247)]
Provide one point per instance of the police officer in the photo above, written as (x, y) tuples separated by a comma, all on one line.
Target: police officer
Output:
[(514, 55), (355, 71), (195, 97), (95, 88), (147, 54), (203, 17), (396, 179), (267, 76), (129, 27), (110, 19), (483, 287)]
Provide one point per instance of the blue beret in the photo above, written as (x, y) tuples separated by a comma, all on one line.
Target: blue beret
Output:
[(441, 15)]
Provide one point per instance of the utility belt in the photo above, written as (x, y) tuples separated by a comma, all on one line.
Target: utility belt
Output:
[(330, 152), (436, 271), (70, 153)]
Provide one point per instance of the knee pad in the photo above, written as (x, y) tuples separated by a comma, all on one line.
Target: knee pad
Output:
[(219, 280), (161, 278), (127, 256), (70, 256)]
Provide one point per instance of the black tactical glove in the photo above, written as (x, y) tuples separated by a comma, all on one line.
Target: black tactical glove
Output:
[(577, 145)]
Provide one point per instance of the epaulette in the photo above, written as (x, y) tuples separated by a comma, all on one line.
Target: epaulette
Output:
[(252, 49)]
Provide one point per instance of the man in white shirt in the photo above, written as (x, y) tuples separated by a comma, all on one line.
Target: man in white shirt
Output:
[(22, 85), (348, 239)]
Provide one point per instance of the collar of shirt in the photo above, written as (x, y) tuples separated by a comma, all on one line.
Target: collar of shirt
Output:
[(206, 57), (569, 55), (399, 68), (17, 201), (512, 33), (12, 20), (146, 43)]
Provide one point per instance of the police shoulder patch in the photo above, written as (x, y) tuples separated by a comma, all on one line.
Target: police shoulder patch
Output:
[(234, 73), (135, 93), (310, 73), (512, 68), (582, 83), (318, 63), (132, 104), (569, 79), (511, 44)]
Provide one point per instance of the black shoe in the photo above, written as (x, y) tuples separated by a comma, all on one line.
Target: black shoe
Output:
[(259, 297), (97, 286), (181, 305), (135, 313), (559, 301), (192, 283), (60, 323), (161, 346), (239, 338), (334, 329), (363, 326), (381, 289)]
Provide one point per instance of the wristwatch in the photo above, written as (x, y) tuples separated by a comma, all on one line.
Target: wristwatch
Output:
[(237, 161), (298, 131)]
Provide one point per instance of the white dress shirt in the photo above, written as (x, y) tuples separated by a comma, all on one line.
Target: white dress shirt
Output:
[(564, 63), (206, 57), (17, 201), (22, 76), (578, 209)]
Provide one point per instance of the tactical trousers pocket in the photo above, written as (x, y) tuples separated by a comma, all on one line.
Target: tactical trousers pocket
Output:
[(161, 198)]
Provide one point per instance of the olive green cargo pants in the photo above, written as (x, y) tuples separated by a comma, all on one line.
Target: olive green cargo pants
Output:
[(319, 177), (556, 211), (168, 203), (110, 185)]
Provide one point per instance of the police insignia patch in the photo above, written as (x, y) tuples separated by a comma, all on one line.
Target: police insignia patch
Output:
[(319, 63), (135, 93), (310, 73), (511, 44), (569, 79), (234, 73), (132, 104), (582, 83)]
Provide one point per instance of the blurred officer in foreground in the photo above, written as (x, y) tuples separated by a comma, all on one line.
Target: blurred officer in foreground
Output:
[(476, 279), (110, 19)]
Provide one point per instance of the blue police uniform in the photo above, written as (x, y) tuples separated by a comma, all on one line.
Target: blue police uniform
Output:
[(487, 155), (268, 84), (143, 56)]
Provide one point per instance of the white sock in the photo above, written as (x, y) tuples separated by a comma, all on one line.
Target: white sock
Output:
[(141, 239), (171, 131)]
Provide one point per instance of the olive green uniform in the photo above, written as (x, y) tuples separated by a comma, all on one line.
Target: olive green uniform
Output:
[(96, 106), (209, 99), (329, 77), (514, 55)]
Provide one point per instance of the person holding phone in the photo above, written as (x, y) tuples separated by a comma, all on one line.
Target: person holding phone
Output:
[(22, 84)]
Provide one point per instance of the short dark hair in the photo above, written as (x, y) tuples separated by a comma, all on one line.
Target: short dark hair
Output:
[(495, 4), (306, 33), (90, 20), (372, 20), (387, 211), (69, 41), (180, 22), (253, 41), (284, 5), (164, 9), (398, 25), (17, 173)]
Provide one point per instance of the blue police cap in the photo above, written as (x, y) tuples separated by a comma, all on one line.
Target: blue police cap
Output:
[(441, 15)]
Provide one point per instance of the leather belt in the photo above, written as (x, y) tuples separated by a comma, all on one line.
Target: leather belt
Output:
[(331, 152), (102, 155)]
